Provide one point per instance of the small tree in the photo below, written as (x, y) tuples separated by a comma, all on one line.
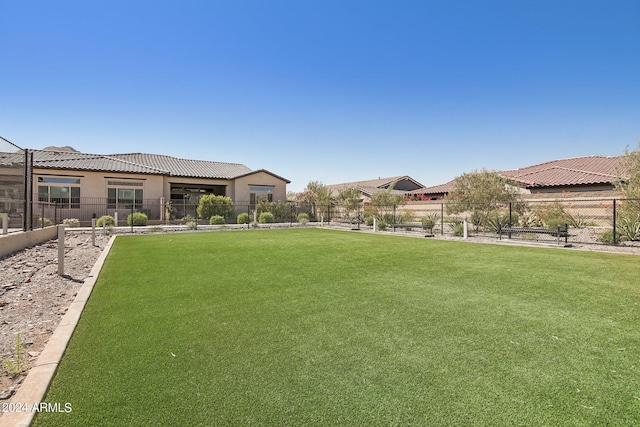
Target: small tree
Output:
[(628, 183), (349, 199), (384, 203), (480, 193), (211, 205)]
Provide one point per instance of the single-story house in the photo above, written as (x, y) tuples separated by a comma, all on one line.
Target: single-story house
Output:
[(573, 175), (143, 182), (367, 188)]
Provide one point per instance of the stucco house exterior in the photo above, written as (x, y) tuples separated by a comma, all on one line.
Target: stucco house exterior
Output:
[(144, 182)]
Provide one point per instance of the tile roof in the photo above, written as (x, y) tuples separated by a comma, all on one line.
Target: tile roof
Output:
[(154, 164), (186, 168), (575, 171), (590, 170)]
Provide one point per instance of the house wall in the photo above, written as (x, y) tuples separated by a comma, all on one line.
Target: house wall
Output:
[(243, 187), (94, 184)]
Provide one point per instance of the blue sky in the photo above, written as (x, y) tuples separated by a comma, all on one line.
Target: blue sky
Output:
[(332, 91)]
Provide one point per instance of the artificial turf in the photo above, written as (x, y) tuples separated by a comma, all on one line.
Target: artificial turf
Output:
[(321, 327)]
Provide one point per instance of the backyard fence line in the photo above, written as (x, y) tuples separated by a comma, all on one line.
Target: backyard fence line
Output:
[(591, 220)]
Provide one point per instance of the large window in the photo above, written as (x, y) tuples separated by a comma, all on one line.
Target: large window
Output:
[(124, 195), (259, 194), (64, 191)]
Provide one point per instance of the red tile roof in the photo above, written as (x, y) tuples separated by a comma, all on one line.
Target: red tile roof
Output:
[(576, 171), (589, 170)]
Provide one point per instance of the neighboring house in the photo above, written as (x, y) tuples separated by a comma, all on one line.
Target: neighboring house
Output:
[(574, 175), (144, 181), (401, 185)]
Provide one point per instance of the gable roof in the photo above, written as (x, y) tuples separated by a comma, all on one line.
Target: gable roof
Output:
[(369, 187)]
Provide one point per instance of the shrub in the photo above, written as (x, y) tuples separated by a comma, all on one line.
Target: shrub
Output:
[(106, 220), (429, 221), (44, 222), (216, 220), (303, 218), (606, 237), (191, 225), (368, 220), (71, 222), (265, 218), (243, 218), (137, 218), (187, 219), (211, 205), (457, 226), (553, 215), (382, 225)]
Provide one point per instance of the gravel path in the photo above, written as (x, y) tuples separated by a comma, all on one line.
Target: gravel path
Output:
[(33, 297)]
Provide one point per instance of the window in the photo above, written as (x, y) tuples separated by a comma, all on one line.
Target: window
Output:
[(259, 194), (64, 191), (120, 195)]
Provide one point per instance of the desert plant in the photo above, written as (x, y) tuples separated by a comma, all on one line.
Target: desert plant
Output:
[(606, 237), (382, 224), (429, 221), (457, 227), (16, 365), (302, 218), (187, 219), (629, 227), (137, 218), (216, 220), (552, 215), (265, 218), (243, 218), (44, 222), (71, 222), (106, 220)]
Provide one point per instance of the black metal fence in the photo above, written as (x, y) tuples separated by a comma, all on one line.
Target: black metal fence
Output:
[(16, 182), (589, 221)]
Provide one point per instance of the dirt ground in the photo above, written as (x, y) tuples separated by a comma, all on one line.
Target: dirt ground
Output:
[(33, 297)]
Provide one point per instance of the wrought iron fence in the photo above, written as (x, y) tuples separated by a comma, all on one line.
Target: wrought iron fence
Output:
[(15, 186), (589, 221)]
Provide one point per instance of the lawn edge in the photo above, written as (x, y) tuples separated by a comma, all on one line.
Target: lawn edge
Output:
[(32, 391)]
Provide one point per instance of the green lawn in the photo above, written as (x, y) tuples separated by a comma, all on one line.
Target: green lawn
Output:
[(319, 327)]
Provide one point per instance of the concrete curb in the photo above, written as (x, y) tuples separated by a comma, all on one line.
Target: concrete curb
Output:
[(31, 393)]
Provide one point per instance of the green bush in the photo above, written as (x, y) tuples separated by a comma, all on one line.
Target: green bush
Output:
[(368, 220), (106, 220), (71, 222), (303, 218), (265, 218), (382, 225), (457, 226), (606, 237), (216, 220), (243, 218), (44, 222), (211, 205), (187, 219), (137, 218)]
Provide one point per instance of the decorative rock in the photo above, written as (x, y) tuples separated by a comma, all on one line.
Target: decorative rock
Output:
[(6, 394)]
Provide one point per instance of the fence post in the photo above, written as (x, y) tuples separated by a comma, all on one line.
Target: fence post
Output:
[(93, 231), (5, 223), (615, 240), (442, 219), (61, 250)]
